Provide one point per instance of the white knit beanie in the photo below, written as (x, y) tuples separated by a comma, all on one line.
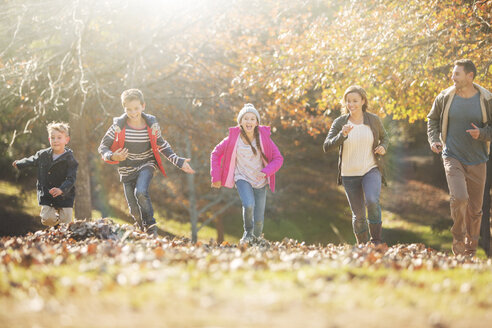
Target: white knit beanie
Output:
[(248, 108)]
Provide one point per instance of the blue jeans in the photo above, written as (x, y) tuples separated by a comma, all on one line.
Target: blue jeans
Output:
[(253, 201), (364, 191), (137, 197)]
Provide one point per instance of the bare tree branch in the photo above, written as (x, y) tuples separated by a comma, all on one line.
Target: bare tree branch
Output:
[(19, 20)]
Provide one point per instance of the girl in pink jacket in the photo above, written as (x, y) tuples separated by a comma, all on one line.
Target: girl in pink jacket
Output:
[(248, 159)]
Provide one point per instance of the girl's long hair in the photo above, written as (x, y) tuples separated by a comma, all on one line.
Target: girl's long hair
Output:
[(257, 138)]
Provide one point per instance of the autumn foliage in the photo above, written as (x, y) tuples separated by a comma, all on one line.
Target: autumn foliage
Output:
[(301, 60)]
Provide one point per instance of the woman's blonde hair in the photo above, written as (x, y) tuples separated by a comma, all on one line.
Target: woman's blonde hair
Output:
[(357, 89)]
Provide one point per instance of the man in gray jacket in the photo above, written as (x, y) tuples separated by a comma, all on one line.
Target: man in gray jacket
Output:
[(459, 127)]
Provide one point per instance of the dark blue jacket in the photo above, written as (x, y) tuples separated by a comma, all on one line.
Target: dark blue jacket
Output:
[(60, 173)]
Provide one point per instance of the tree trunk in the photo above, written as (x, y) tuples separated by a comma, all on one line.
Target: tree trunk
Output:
[(219, 225), (192, 197), (78, 142)]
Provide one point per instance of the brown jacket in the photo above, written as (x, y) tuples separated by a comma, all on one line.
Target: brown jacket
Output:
[(437, 124)]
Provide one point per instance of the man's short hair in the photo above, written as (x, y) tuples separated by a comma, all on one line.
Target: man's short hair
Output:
[(467, 65), (132, 94), (61, 127)]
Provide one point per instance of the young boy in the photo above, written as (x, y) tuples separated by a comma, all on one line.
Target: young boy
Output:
[(134, 142), (57, 170)]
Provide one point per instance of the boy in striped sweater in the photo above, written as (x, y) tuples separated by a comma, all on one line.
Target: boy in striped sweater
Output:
[(134, 142)]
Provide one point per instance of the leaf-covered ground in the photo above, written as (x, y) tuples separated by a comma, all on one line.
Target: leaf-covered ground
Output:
[(98, 273)]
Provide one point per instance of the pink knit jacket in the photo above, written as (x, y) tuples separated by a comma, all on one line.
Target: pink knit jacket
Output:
[(223, 157)]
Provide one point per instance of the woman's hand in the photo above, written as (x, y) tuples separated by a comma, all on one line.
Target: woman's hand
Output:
[(120, 155), (216, 184), (346, 129), (380, 150), (186, 167)]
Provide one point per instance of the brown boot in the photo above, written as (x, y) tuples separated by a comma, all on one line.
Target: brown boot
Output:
[(376, 230), (362, 237), (471, 246), (458, 247)]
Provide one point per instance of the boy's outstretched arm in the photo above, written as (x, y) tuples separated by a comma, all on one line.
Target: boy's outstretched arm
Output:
[(187, 167), (27, 161), (166, 150)]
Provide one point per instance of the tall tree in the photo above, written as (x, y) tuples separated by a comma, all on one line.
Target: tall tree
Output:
[(81, 55)]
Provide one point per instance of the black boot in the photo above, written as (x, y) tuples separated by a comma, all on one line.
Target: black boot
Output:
[(376, 230)]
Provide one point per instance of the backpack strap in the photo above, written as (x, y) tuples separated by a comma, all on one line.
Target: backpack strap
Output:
[(118, 143)]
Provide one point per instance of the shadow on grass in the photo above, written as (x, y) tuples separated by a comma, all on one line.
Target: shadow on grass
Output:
[(422, 216), (393, 236), (14, 222)]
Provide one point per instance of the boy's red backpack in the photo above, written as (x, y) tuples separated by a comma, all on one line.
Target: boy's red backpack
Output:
[(119, 142)]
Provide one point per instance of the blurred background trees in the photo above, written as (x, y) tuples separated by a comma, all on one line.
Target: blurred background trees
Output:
[(198, 62)]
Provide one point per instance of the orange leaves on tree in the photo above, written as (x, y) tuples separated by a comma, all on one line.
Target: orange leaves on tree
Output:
[(377, 44)]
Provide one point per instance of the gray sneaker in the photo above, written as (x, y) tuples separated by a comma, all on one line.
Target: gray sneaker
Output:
[(152, 231)]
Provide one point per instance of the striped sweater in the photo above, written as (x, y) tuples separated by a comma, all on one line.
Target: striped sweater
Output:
[(137, 142)]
